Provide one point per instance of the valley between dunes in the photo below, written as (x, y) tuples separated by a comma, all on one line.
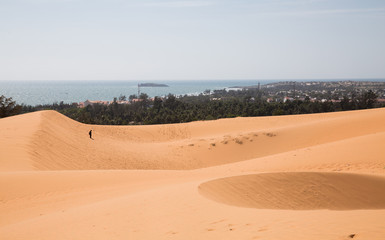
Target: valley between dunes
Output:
[(316, 176)]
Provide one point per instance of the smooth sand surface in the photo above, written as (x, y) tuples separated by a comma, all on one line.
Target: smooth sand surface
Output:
[(316, 176), (299, 191)]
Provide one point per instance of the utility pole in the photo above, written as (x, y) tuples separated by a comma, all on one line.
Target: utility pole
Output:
[(294, 90)]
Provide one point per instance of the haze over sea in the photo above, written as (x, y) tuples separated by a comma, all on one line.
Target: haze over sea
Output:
[(48, 92)]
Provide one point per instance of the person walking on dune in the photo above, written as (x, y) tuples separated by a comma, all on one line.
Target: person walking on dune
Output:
[(90, 133)]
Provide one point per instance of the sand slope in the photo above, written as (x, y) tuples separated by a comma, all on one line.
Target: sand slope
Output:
[(59, 143), (318, 176), (299, 191)]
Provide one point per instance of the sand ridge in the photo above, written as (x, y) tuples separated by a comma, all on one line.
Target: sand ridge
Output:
[(299, 191), (60, 143), (316, 176)]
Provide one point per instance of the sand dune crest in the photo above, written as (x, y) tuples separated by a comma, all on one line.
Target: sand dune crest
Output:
[(55, 142), (299, 191)]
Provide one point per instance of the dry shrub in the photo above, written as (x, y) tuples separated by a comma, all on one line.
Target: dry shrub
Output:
[(270, 134)]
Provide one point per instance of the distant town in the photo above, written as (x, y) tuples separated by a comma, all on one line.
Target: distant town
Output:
[(319, 90)]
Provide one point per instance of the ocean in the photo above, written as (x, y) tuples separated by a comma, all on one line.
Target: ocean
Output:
[(48, 92)]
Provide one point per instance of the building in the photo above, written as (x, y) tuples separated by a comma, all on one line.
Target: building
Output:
[(88, 102)]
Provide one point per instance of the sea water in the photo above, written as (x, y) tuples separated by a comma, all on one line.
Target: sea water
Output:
[(48, 92)]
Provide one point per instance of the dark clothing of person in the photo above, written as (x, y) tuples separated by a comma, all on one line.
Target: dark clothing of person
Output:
[(90, 133)]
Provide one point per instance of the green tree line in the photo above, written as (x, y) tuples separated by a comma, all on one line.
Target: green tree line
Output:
[(248, 103)]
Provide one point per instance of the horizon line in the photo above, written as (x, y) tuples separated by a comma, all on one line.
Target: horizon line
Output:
[(181, 80)]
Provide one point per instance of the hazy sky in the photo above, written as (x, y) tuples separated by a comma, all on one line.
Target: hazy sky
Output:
[(191, 39)]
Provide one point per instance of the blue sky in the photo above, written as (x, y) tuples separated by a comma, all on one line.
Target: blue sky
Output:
[(191, 39)]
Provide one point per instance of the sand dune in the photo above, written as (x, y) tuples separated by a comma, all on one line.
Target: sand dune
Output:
[(59, 143), (317, 176), (299, 191)]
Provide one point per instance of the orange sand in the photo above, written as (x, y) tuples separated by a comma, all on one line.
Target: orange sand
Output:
[(318, 176)]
